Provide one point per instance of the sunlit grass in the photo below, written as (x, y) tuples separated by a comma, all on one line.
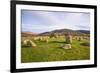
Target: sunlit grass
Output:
[(52, 51)]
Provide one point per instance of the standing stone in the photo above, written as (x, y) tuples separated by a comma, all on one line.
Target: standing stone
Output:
[(68, 38), (80, 38)]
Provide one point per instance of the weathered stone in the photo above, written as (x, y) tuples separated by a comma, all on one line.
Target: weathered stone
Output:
[(29, 43), (80, 38), (66, 46), (77, 37), (68, 39), (25, 42), (32, 44)]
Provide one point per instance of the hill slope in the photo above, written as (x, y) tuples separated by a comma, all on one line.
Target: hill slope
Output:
[(26, 34), (64, 31)]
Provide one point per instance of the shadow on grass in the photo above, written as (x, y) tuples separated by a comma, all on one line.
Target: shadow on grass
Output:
[(85, 44), (25, 46), (57, 42)]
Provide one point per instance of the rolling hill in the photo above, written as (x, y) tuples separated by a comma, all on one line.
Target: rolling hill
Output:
[(58, 32), (64, 31)]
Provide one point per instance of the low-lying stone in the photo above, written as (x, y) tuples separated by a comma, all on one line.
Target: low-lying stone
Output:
[(66, 46), (32, 43), (29, 43)]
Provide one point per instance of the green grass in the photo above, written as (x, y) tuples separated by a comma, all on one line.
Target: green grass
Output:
[(52, 51)]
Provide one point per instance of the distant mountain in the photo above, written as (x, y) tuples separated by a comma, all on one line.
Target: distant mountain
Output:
[(58, 32), (64, 31), (84, 31), (26, 34)]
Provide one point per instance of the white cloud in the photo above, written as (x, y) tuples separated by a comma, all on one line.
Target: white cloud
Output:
[(54, 22)]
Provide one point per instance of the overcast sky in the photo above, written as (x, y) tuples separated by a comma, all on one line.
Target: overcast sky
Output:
[(43, 21)]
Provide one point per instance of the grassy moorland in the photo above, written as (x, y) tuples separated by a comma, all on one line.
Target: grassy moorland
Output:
[(52, 51)]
